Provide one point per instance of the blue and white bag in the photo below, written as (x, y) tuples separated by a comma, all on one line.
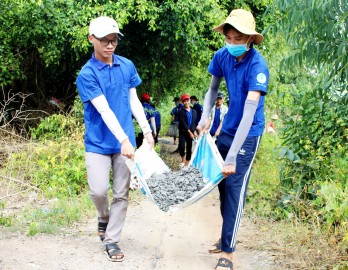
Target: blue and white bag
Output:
[(205, 157)]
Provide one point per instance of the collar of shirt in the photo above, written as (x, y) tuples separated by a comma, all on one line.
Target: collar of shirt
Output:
[(100, 65), (249, 54)]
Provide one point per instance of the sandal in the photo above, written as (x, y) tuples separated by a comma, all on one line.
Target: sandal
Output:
[(225, 263), (113, 252), (101, 230), (216, 248)]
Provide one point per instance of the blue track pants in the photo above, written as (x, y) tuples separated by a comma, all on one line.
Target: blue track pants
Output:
[(233, 188)]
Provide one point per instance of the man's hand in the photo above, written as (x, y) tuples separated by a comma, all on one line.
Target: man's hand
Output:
[(127, 149), (228, 170), (191, 134), (149, 138), (202, 130)]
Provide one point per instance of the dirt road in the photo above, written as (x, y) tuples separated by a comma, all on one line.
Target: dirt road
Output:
[(151, 240)]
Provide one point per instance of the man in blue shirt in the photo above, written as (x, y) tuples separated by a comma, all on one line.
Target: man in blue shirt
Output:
[(197, 107), (217, 115), (150, 116), (175, 114), (246, 75), (106, 85), (187, 130), (157, 115)]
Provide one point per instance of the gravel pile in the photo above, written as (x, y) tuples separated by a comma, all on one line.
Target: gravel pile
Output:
[(172, 188)]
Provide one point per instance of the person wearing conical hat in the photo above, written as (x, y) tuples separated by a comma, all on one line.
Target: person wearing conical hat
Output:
[(246, 74)]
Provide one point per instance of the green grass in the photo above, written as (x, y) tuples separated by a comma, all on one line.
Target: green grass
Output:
[(57, 215), (264, 181), (295, 242)]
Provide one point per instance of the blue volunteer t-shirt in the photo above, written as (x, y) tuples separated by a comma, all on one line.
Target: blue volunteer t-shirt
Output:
[(149, 112), (251, 73), (157, 118), (189, 117), (97, 78), (175, 111), (216, 121), (199, 109)]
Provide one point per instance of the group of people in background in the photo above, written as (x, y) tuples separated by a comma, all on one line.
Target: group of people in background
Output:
[(187, 117)]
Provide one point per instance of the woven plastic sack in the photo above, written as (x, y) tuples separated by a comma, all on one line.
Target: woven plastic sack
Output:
[(146, 163), (173, 130), (207, 159)]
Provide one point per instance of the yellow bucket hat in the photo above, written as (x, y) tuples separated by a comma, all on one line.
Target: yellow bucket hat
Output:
[(244, 22)]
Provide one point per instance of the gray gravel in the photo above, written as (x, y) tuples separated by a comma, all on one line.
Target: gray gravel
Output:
[(176, 187)]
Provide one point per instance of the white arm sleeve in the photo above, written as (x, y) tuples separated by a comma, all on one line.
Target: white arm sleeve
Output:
[(138, 111), (109, 117), (209, 99), (153, 123)]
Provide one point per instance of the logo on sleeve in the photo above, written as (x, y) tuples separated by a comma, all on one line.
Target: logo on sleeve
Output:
[(261, 77)]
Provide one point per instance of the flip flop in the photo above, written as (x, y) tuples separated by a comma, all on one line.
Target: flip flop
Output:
[(101, 230), (225, 263), (113, 252), (216, 248)]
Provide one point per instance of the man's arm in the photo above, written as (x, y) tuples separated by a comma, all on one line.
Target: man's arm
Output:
[(217, 133), (209, 100), (153, 123), (109, 118), (111, 121), (250, 107)]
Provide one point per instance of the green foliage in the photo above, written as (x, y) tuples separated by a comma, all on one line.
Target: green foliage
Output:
[(57, 168), (43, 44), (32, 229), (315, 132), (58, 126), (320, 45), (61, 212), (332, 202), (4, 220), (314, 151)]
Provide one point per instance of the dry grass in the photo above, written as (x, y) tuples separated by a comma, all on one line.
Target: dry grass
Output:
[(14, 189), (295, 245)]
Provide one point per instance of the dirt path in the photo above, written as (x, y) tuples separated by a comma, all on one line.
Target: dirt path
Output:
[(151, 239)]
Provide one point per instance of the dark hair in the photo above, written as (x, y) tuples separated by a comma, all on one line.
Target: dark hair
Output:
[(228, 27)]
